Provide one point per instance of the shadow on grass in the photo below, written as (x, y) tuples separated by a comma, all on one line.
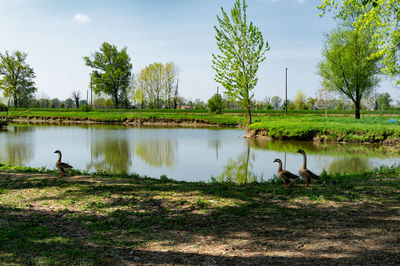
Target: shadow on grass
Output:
[(262, 223)]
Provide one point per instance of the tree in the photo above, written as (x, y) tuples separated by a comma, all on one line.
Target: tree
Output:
[(347, 64), (242, 50), (216, 103), (276, 102), (76, 95), (16, 77), (384, 16), (324, 97), (139, 98), (384, 101), (299, 101), (310, 103), (159, 82), (111, 72)]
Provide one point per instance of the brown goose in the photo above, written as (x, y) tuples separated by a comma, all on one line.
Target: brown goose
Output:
[(63, 167), (284, 174), (304, 172)]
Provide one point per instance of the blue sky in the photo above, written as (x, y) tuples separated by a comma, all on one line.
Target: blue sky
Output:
[(57, 34)]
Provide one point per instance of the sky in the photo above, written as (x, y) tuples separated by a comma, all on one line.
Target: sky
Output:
[(57, 34)]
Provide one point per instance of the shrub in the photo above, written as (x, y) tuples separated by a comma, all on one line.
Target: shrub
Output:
[(84, 108), (3, 107)]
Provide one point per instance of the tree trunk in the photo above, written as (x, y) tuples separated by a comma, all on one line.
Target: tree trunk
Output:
[(357, 110), (248, 115), (15, 101), (116, 100)]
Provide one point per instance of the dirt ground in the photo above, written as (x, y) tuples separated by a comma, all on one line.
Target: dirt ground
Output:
[(47, 219)]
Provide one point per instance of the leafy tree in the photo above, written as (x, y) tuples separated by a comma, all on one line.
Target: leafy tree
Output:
[(347, 65), (159, 83), (310, 103), (16, 77), (216, 103), (242, 50), (276, 102), (69, 103), (384, 16), (384, 101), (111, 72), (299, 101), (139, 98)]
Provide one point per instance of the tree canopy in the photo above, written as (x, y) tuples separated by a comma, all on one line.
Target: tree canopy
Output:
[(242, 49), (16, 77), (347, 64), (382, 15), (111, 72)]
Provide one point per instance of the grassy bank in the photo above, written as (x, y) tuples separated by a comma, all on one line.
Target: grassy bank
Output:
[(367, 129), (105, 219), (373, 128)]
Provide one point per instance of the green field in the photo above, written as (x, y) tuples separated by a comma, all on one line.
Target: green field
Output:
[(103, 219)]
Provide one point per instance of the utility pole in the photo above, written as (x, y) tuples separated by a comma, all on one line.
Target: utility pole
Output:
[(91, 93), (286, 92), (217, 100)]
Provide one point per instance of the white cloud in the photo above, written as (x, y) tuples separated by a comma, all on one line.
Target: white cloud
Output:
[(300, 1), (82, 18)]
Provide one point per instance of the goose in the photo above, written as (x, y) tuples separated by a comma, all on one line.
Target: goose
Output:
[(284, 174), (63, 167), (304, 172)]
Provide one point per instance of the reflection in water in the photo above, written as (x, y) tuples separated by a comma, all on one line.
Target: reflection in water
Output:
[(16, 145), (320, 148), (182, 154), (351, 165), (157, 153), (238, 171), (109, 153)]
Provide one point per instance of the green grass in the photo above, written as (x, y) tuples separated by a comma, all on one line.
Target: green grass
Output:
[(367, 129), (300, 125), (114, 219)]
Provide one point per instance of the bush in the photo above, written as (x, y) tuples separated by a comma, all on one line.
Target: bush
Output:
[(3, 107), (84, 108)]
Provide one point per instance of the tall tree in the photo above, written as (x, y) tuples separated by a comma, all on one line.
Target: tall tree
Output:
[(384, 101), (16, 77), (76, 95), (348, 66), (276, 102), (300, 100), (384, 16), (111, 71), (242, 49)]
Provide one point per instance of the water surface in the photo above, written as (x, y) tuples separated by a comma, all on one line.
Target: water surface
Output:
[(180, 153)]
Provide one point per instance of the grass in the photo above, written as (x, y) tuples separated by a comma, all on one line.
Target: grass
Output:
[(297, 126), (118, 219), (367, 129)]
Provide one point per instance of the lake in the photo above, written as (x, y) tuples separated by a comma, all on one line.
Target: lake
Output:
[(190, 154)]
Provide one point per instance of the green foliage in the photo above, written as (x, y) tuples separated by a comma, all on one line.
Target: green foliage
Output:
[(3, 107), (383, 101), (242, 49), (84, 108), (16, 77), (347, 56), (111, 72), (216, 104), (384, 16)]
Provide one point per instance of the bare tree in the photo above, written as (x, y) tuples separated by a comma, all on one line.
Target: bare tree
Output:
[(324, 97), (76, 95)]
